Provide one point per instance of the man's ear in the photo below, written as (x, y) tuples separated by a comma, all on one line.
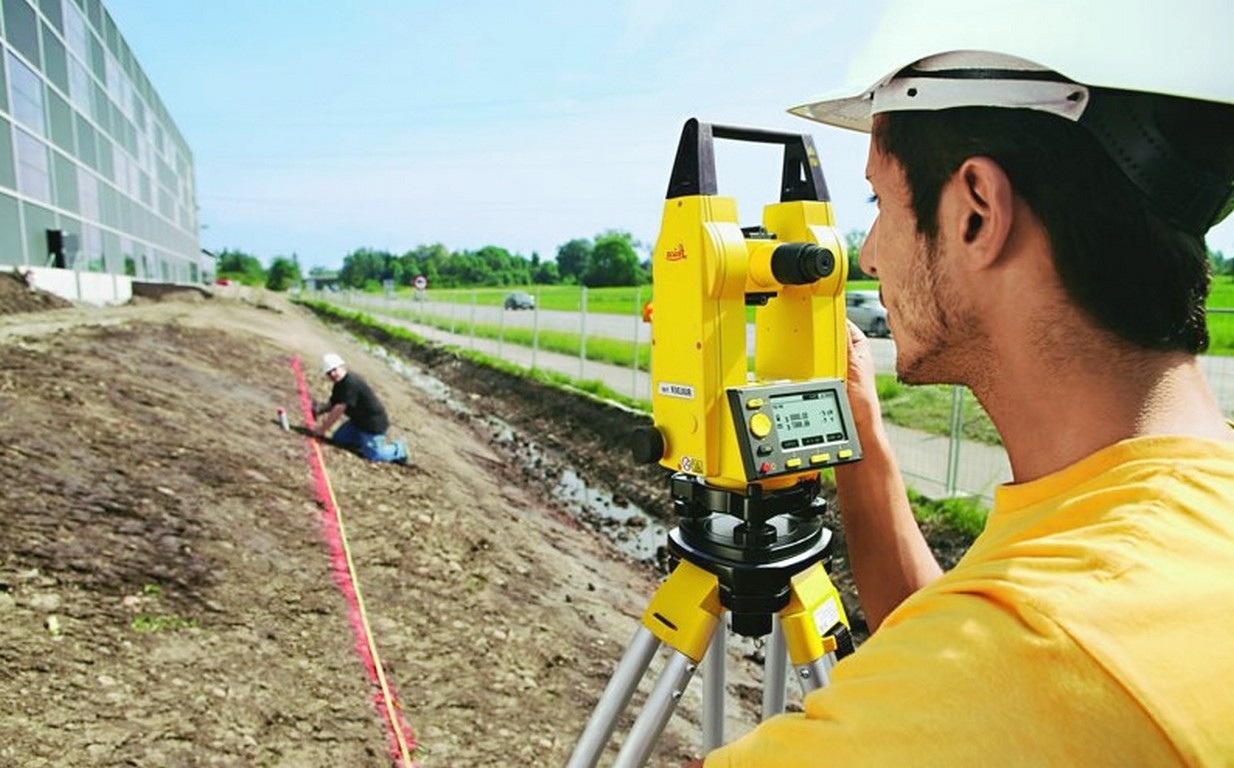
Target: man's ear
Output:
[(981, 209)]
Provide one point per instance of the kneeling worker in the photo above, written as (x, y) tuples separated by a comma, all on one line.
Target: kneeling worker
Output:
[(365, 429)]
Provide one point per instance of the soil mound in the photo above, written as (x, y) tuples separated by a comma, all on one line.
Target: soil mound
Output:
[(19, 294)]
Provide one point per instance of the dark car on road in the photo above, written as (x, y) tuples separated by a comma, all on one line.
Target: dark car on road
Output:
[(866, 310), (520, 300)]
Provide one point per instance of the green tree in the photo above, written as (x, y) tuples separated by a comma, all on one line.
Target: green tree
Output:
[(1220, 264), (365, 266), (852, 243), (573, 260), (241, 267), (614, 261), (284, 273), (545, 273)]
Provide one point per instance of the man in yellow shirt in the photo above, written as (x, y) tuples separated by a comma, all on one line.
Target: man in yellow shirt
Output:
[(1045, 174)]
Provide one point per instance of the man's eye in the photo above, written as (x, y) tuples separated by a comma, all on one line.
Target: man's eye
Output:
[(873, 198)]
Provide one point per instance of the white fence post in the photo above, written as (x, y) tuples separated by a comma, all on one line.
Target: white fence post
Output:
[(638, 322), (582, 335)]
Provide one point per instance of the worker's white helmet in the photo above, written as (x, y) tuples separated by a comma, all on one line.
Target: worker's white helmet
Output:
[(1001, 54), (329, 362), (1056, 56)]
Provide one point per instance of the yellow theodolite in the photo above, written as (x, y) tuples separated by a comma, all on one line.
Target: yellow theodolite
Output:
[(745, 446)]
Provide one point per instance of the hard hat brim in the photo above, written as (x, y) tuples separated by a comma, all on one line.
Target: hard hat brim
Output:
[(949, 80)]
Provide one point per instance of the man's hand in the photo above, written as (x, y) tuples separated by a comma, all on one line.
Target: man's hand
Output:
[(862, 387)]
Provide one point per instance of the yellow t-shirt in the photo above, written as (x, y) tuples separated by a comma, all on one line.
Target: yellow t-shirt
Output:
[(1091, 623)]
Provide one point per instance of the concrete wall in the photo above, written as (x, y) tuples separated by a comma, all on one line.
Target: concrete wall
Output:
[(96, 288)]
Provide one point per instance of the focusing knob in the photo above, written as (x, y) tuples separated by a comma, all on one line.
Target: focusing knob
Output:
[(647, 445), (801, 263)]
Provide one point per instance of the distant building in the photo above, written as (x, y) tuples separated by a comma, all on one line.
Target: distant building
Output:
[(94, 174), (321, 280)]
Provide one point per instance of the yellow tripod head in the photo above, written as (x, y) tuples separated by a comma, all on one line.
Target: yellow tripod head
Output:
[(714, 417)]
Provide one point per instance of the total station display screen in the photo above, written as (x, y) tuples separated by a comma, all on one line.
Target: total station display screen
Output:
[(807, 418)]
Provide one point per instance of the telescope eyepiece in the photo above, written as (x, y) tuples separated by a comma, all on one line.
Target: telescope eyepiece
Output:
[(801, 263)]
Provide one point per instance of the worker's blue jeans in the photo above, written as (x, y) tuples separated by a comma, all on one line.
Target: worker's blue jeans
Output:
[(370, 446)]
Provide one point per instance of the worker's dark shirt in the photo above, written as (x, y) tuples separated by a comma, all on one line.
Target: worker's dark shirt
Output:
[(363, 407)]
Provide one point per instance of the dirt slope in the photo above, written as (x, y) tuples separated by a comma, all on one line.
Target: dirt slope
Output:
[(167, 595)]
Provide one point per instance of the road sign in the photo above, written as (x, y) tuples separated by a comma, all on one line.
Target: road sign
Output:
[(421, 282)]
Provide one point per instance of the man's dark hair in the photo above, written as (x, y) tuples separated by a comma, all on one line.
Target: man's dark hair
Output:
[(1132, 272)]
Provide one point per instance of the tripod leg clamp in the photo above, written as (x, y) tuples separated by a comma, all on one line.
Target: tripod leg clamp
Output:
[(814, 619), (684, 611)]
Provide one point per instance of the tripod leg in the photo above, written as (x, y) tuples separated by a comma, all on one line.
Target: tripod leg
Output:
[(656, 711), (713, 688), (615, 699), (682, 614), (775, 670)]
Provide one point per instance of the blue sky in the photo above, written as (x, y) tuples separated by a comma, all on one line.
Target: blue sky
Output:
[(322, 127)]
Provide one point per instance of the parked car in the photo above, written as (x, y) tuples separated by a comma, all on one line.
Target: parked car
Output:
[(867, 311), (520, 300)]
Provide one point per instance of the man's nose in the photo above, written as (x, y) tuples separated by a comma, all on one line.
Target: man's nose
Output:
[(867, 256)]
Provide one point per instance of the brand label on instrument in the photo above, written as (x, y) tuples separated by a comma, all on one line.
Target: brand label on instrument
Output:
[(682, 391)]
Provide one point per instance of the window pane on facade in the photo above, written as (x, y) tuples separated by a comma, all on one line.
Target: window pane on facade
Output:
[(86, 145), (66, 182), (4, 91), (94, 10), (113, 260), (61, 116), (21, 27), (38, 220), (90, 258), (75, 32), (100, 113), (81, 89), (33, 170), (51, 9), (10, 232), (98, 60), (26, 95), (105, 157), (8, 174), (88, 194), (71, 227), (109, 213), (55, 60), (120, 167)]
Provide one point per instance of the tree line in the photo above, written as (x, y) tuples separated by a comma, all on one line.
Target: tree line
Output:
[(610, 259)]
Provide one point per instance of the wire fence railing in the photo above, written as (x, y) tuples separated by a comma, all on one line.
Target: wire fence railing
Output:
[(937, 460)]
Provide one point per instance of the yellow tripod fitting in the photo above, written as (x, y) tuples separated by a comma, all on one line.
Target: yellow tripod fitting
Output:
[(684, 611), (813, 617)]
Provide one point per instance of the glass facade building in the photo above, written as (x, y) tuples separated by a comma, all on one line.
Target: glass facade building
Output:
[(94, 174)]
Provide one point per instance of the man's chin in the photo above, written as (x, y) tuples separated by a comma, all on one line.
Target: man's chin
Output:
[(920, 369)]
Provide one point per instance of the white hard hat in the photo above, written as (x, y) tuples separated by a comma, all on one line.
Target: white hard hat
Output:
[(1066, 57), (1000, 54), (329, 362)]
